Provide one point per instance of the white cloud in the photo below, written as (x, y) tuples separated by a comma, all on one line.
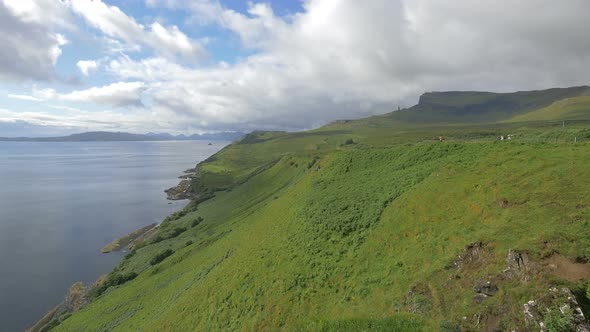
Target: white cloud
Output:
[(119, 94), (336, 59), (113, 22), (39, 11), (116, 94), (86, 66), (150, 69), (108, 19), (172, 40), (23, 97), (72, 120), (342, 59), (203, 11), (31, 43)]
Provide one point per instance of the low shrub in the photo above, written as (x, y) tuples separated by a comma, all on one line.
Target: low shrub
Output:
[(349, 141), (114, 279), (130, 254), (556, 321), (197, 221), (176, 232), (161, 256), (168, 235)]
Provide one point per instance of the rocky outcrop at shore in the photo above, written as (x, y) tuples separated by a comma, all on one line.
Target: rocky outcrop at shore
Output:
[(75, 300), (79, 294), (77, 297), (129, 239), (182, 190), (43, 322), (186, 188)]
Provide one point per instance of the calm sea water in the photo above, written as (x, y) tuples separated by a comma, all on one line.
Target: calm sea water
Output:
[(61, 202)]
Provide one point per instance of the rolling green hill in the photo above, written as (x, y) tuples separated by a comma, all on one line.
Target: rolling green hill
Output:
[(575, 108), (373, 224), (473, 107)]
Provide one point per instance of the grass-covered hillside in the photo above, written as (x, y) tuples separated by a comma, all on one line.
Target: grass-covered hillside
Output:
[(372, 225), (471, 107), (575, 108)]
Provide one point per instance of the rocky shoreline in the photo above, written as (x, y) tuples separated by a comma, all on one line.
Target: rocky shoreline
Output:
[(130, 239), (77, 296), (182, 190)]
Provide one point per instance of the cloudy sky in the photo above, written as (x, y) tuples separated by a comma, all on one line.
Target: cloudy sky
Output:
[(214, 65)]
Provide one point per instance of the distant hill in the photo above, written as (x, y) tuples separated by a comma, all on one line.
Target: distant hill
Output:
[(104, 136), (575, 108), (478, 107)]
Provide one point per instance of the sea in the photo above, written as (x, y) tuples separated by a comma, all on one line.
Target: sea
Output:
[(61, 202)]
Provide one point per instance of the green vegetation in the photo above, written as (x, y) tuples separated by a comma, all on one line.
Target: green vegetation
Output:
[(196, 222), (575, 108), (130, 254), (165, 234), (470, 107), (307, 233), (114, 279), (556, 321), (161, 256), (397, 323), (124, 241)]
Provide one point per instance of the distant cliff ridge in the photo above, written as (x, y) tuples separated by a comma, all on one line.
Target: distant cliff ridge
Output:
[(481, 107)]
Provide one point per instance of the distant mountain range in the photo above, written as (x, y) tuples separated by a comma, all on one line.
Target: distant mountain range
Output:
[(104, 136)]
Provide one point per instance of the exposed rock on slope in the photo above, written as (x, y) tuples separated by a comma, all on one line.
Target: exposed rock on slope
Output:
[(558, 310)]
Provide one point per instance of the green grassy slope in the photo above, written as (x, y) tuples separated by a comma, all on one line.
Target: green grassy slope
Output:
[(575, 108), (472, 107), (452, 114), (358, 226)]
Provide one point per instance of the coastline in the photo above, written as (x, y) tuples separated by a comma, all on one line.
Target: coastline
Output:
[(182, 190), (79, 293), (128, 240)]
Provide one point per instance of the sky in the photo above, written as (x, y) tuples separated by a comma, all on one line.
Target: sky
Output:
[(200, 66)]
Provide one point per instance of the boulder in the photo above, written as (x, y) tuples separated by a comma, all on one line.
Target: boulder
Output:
[(76, 298), (487, 288)]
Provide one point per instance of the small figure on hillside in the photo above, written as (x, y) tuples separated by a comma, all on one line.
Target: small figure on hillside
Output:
[(441, 138)]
